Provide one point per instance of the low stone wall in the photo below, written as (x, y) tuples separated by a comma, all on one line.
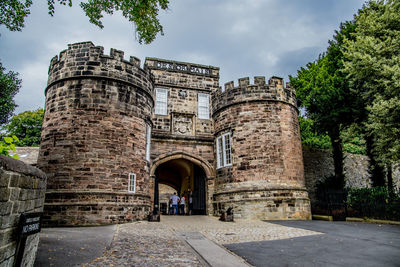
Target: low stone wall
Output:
[(267, 203), (94, 208), (318, 164), (22, 189)]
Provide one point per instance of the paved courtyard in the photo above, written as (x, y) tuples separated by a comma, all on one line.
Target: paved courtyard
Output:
[(342, 244), (205, 241)]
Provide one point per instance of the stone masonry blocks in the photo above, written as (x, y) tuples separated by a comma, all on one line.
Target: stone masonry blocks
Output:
[(266, 151), (94, 134), (22, 189), (99, 106)]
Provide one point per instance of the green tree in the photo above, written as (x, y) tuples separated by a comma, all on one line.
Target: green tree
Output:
[(9, 87), (310, 137), (384, 123), (27, 127), (13, 13), (323, 90), (353, 139), (373, 68), (143, 13)]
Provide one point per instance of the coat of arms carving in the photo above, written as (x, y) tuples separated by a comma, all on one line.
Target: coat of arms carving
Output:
[(183, 124)]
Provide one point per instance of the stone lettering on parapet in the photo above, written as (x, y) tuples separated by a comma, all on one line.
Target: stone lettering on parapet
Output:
[(183, 67)]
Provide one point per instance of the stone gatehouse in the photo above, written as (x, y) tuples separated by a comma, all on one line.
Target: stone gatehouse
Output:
[(113, 131)]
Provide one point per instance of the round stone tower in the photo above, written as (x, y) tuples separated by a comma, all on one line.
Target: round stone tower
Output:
[(93, 149), (261, 172)]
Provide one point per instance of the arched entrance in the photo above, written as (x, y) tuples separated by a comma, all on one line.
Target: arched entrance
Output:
[(187, 175)]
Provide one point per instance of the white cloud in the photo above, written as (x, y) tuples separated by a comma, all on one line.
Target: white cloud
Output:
[(242, 37), (34, 71), (197, 57)]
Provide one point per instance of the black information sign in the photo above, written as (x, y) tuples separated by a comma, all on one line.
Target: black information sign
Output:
[(29, 224)]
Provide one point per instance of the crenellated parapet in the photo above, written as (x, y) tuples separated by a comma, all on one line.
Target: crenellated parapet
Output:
[(245, 92), (85, 60)]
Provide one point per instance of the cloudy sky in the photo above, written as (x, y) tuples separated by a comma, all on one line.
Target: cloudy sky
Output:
[(242, 37)]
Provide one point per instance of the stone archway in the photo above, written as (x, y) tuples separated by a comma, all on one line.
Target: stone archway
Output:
[(189, 175), (208, 169)]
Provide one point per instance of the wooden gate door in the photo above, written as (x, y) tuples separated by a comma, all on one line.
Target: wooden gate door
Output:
[(199, 192)]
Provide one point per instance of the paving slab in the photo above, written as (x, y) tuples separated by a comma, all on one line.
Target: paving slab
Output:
[(213, 254), (342, 244), (72, 246)]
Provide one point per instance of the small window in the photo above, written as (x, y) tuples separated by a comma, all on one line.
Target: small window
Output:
[(203, 106), (220, 152), (148, 142), (224, 151), (227, 149), (161, 101), (132, 183)]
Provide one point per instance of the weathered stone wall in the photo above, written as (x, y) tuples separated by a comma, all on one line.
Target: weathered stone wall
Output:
[(94, 135), (318, 165), (183, 74), (201, 148), (267, 203), (266, 179), (183, 81), (22, 189), (181, 130)]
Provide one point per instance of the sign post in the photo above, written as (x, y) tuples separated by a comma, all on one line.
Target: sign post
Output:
[(29, 224)]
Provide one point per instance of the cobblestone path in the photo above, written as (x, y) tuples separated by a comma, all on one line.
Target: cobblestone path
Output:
[(146, 244)]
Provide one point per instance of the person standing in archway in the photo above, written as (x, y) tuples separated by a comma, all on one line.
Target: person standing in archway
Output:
[(190, 204), (182, 205), (174, 200)]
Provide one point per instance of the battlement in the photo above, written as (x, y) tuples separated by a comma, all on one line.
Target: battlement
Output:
[(273, 82), (96, 51), (260, 90), (87, 60)]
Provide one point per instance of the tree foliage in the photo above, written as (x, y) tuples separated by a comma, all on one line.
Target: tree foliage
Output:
[(373, 68), (351, 136), (384, 124), (7, 144), (323, 90), (9, 87), (310, 136), (143, 13), (13, 13), (27, 127), (353, 139)]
